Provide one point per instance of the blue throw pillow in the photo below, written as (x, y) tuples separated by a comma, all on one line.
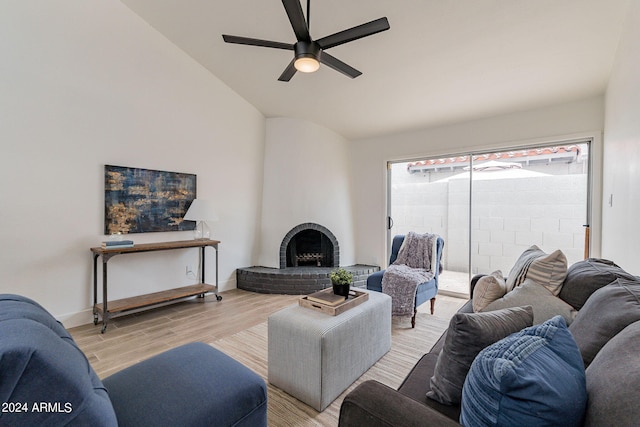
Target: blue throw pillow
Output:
[(534, 377)]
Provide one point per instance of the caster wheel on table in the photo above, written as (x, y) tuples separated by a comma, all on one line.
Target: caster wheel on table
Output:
[(218, 297)]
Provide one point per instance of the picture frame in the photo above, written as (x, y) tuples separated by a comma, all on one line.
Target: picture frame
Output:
[(140, 200)]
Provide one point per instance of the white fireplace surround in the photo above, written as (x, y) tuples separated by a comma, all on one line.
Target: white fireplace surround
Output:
[(306, 180)]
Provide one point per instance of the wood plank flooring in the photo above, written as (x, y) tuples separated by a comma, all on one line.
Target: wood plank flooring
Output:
[(135, 337)]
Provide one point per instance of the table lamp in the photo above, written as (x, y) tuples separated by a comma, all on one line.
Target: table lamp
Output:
[(201, 211)]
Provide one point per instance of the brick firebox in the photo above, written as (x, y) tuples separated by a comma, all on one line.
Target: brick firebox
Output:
[(292, 277)]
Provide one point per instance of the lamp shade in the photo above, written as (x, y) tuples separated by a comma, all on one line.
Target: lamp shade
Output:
[(201, 210)]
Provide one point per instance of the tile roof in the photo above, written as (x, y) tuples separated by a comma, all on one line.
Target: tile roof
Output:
[(566, 153)]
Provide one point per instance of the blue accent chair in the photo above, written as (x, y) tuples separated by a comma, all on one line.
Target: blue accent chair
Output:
[(426, 291)]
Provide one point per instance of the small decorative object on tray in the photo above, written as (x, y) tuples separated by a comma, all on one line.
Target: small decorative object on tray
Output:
[(326, 298), (113, 244), (355, 298)]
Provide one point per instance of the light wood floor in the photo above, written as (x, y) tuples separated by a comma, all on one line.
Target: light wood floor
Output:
[(132, 338)]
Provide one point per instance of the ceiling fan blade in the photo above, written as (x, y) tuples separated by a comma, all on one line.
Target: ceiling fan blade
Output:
[(296, 17), (336, 64), (256, 42), (288, 72), (364, 30)]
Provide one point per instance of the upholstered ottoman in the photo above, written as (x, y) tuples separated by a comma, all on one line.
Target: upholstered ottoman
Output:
[(315, 356), (191, 385)]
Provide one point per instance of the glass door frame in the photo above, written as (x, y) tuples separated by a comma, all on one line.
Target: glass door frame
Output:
[(595, 157)]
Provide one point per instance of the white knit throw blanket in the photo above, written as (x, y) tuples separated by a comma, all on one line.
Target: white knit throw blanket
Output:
[(411, 268)]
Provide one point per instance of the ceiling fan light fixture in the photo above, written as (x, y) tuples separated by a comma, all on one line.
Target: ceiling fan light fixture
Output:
[(307, 56), (306, 64)]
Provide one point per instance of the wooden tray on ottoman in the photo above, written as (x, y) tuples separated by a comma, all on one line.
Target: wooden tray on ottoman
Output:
[(355, 298)]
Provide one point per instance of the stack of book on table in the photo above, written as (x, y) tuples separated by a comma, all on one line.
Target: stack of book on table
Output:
[(117, 244), (324, 297)]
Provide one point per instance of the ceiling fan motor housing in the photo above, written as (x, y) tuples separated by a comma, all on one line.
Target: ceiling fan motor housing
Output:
[(305, 49)]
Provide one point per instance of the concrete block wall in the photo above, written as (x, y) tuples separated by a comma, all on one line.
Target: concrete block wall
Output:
[(509, 215)]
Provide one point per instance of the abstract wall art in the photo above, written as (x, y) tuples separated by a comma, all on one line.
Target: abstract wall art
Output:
[(145, 200)]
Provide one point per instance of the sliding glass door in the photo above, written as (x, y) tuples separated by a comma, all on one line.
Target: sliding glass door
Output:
[(491, 206), (431, 196)]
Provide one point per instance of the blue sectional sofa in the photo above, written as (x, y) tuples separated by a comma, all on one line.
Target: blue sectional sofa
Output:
[(45, 379)]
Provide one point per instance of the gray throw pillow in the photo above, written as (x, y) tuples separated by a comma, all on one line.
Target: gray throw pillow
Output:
[(587, 276), (608, 311), (612, 381), (468, 335), (545, 305), (549, 270)]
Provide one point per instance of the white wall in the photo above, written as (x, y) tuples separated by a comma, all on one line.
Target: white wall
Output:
[(86, 83), (620, 234), (306, 179), (369, 158)]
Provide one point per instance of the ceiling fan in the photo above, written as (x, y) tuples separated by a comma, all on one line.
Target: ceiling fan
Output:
[(309, 53)]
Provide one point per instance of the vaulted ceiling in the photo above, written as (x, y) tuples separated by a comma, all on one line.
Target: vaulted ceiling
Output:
[(442, 61)]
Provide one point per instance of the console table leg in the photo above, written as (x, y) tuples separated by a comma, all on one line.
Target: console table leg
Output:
[(95, 288), (216, 247), (202, 261), (218, 297), (105, 313)]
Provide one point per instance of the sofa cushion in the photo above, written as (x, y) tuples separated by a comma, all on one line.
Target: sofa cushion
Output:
[(39, 367), (587, 276), (612, 378), (608, 311), (532, 378), (467, 335), (488, 289), (545, 305), (549, 270)]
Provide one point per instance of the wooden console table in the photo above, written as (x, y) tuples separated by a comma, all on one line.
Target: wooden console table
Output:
[(106, 308)]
